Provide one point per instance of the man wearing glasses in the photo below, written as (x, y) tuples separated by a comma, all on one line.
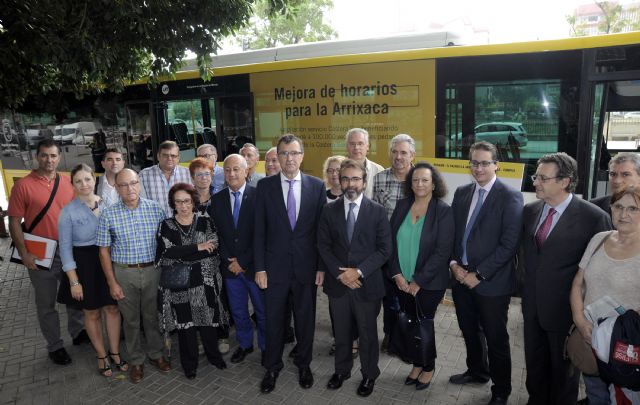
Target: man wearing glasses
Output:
[(288, 208), (624, 171), (157, 180), (357, 149), (557, 230), (210, 153), (126, 236), (488, 221)]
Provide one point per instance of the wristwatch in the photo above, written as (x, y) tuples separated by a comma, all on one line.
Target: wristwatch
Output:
[(74, 283)]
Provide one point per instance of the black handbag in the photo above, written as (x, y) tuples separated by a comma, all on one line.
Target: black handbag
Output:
[(401, 340), (413, 338), (176, 276)]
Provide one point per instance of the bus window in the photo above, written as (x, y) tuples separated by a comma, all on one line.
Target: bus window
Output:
[(137, 137)]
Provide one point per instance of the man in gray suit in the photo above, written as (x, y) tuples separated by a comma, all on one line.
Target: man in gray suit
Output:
[(557, 229)]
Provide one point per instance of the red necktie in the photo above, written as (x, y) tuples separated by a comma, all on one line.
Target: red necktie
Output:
[(543, 231)]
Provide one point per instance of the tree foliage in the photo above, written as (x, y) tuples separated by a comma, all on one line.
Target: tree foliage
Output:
[(613, 20), (304, 23), (87, 46)]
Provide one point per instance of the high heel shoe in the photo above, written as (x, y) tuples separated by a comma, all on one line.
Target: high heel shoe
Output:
[(106, 370), (423, 385), (122, 366)]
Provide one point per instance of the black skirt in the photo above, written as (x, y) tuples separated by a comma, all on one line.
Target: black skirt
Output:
[(95, 289)]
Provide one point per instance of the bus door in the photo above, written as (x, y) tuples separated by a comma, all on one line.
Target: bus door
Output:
[(235, 123), (190, 123), (137, 139)]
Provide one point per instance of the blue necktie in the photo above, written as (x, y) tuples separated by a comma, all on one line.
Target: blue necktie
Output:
[(236, 207), (472, 220), (351, 221)]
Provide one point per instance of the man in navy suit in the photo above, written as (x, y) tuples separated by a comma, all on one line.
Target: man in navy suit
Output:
[(354, 241), (488, 221), (233, 212), (557, 230), (288, 208)]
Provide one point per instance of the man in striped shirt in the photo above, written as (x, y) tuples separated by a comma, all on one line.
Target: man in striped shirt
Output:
[(158, 179)]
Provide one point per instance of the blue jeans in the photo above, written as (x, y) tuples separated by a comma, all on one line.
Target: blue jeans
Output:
[(597, 390), (239, 290)]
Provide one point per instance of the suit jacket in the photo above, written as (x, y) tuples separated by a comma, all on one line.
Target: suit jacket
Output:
[(234, 242), (494, 238), (549, 271), (603, 202), (285, 254), (436, 243), (369, 249)]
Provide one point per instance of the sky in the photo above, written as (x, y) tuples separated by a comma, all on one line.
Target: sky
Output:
[(507, 20)]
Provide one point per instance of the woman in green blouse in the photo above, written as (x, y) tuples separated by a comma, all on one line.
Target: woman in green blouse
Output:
[(423, 234)]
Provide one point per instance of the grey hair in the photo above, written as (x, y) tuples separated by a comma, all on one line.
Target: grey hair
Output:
[(206, 146), (403, 138), (243, 161), (355, 131), (272, 149), (250, 146), (626, 157)]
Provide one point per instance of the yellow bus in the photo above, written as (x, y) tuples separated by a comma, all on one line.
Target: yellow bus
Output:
[(577, 95)]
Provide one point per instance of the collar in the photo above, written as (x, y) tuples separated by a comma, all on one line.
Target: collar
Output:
[(358, 201), (241, 190), (487, 187), (284, 179), (562, 206)]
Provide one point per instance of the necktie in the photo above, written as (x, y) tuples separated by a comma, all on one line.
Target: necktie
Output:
[(236, 207), (351, 221), (291, 205), (545, 228), (472, 220)]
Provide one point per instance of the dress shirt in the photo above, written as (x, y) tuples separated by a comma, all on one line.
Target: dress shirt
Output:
[(297, 190), (217, 181), (560, 208), (77, 226), (233, 199), (356, 209), (255, 178), (131, 233), (155, 185), (107, 192), (476, 192)]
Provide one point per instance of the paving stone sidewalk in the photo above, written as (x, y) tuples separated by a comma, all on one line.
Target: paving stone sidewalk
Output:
[(28, 377)]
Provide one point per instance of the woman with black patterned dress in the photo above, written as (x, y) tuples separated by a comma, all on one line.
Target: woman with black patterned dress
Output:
[(190, 237)]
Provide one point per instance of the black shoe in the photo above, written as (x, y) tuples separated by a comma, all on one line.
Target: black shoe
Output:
[(384, 347), (219, 363), (336, 380), (191, 374), (466, 378), (294, 352), (497, 400), (366, 387), (410, 381), (268, 382), (60, 357), (305, 377), (240, 354), (81, 338)]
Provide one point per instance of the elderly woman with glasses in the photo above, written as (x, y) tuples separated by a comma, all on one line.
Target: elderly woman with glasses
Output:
[(190, 237), (610, 267)]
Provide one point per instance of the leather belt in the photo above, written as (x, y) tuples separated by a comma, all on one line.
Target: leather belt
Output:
[(140, 265)]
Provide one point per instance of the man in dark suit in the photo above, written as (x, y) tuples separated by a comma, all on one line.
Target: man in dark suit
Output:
[(354, 241), (233, 212), (488, 221), (288, 208), (624, 171), (557, 229)]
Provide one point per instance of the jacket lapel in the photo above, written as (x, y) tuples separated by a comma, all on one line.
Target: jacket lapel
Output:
[(280, 204), (565, 222)]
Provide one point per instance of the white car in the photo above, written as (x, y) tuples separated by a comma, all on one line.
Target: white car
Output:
[(78, 133), (497, 133)]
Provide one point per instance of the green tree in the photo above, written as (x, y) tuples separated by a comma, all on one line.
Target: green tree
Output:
[(303, 23), (612, 20), (50, 46)]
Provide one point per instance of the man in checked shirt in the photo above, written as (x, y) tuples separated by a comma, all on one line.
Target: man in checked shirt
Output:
[(388, 186)]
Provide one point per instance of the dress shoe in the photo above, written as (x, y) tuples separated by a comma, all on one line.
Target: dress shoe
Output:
[(136, 374), (223, 346), (268, 383), (336, 380), (161, 364), (366, 387), (423, 385), (240, 354), (81, 338), (305, 377), (466, 378), (497, 400), (294, 352), (218, 362), (60, 357), (410, 381), (191, 374)]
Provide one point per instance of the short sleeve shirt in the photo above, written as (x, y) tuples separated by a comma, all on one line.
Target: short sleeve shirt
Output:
[(30, 194)]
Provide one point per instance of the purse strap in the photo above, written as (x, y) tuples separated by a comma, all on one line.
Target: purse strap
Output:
[(44, 210)]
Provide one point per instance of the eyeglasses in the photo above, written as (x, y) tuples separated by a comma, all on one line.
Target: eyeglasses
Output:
[(169, 156), (131, 184), (202, 175), (333, 171), (208, 155), (484, 163), (287, 153), (544, 179), (183, 202), (346, 179), (631, 210)]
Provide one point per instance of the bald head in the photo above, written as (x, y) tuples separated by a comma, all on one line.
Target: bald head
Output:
[(235, 171)]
